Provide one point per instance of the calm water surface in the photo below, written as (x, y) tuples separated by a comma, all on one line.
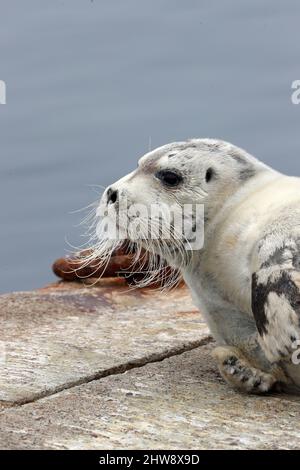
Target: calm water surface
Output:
[(90, 83)]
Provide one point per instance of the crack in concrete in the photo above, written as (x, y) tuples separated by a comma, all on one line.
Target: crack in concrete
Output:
[(120, 369)]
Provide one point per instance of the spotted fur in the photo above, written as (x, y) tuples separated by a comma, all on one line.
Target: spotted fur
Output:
[(276, 293), (246, 278)]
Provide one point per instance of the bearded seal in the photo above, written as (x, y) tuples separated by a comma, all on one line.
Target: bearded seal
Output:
[(245, 278)]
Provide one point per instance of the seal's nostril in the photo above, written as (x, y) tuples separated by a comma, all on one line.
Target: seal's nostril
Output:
[(112, 195)]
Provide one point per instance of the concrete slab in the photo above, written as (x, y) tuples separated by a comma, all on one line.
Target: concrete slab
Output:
[(179, 403), (68, 334)]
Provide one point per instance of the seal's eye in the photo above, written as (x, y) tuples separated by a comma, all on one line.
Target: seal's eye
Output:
[(169, 178), (209, 175)]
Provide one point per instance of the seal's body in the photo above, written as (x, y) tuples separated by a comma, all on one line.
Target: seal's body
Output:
[(246, 278)]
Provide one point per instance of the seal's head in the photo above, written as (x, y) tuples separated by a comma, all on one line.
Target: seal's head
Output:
[(155, 206)]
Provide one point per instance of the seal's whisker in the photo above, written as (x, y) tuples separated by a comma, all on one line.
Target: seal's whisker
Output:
[(92, 204)]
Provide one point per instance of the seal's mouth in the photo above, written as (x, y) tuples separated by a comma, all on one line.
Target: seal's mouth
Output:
[(157, 229)]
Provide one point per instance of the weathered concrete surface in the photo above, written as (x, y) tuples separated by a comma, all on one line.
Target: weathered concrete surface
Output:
[(53, 339), (61, 336), (179, 403)]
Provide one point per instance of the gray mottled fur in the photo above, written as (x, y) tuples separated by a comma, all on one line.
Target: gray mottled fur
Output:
[(246, 278)]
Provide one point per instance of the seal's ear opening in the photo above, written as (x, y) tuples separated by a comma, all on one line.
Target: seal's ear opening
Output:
[(209, 175)]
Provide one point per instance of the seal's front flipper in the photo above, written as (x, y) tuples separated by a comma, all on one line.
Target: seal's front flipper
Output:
[(240, 374)]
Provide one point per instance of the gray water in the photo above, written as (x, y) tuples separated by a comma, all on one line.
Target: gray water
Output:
[(89, 83)]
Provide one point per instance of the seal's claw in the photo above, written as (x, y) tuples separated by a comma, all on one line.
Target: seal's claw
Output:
[(238, 372)]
